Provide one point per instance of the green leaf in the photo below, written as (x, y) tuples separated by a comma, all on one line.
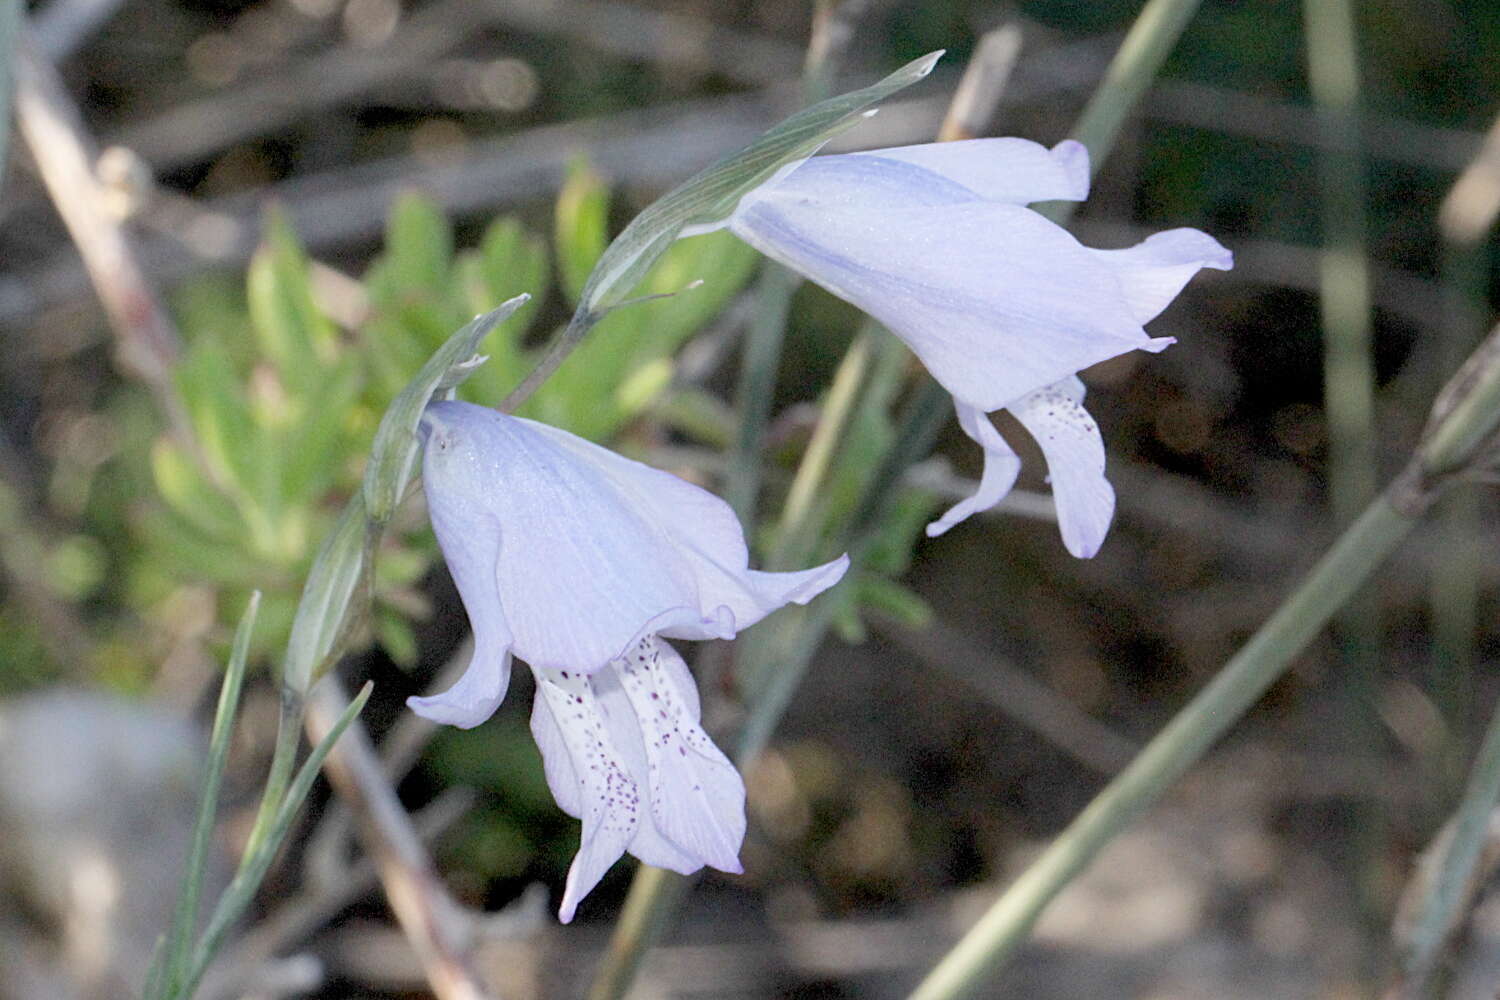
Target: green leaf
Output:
[(582, 226), (393, 350), (711, 195), (508, 262), (894, 601), (215, 400), (585, 393), (185, 491), (513, 261), (316, 443), (192, 553), (418, 247), (397, 639), (702, 416), (293, 334), (216, 302)]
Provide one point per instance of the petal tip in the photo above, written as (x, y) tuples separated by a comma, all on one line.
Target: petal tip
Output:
[(1073, 157), (1085, 549), (437, 709)]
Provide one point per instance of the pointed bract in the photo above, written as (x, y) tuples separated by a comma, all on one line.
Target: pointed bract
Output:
[(1002, 305)]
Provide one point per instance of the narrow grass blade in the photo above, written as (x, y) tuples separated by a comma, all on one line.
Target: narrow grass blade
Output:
[(10, 27), (1453, 884), (254, 865), (337, 571), (184, 921)]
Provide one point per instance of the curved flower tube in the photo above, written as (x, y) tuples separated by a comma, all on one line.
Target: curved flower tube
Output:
[(579, 562), (1003, 306)]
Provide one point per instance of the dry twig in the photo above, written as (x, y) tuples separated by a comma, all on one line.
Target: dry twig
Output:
[(438, 928), (65, 155)]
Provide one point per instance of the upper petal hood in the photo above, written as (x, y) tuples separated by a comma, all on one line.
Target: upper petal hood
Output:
[(1017, 171), (995, 300), (594, 550)]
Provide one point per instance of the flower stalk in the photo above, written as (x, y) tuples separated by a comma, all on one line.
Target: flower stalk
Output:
[(10, 28), (1343, 271), (1456, 859)]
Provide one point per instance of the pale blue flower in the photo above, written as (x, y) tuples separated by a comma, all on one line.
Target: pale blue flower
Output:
[(578, 561), (1002, 306)]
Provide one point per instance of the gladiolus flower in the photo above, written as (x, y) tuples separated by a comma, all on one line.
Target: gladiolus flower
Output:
[(1003, 306), (579, 562)]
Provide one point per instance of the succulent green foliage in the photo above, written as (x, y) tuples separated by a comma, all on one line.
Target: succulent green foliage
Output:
[(284, 403), (626, 360), (581, 227)]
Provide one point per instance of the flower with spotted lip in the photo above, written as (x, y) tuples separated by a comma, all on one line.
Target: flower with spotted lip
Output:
[(580, 561), (1003, 306)]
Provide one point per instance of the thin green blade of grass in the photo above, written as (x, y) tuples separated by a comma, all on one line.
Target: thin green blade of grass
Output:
[(178, 948), (253, 866)]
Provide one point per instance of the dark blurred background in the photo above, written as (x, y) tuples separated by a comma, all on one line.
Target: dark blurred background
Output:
[(919, 768)]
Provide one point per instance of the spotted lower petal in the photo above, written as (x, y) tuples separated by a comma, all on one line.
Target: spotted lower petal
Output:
[(697, 796), (1070, 441), (602, 789)]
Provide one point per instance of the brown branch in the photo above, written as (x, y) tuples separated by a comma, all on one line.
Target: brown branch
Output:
[(146, 342), (438, 928), (53, 129), (201, 128)]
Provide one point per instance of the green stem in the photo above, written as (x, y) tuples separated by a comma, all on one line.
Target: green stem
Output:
[(1453, 589), (1449, 889), (1344, 280), (1465, 417), (283, 759), (10, 27), (1152, 36), (654, 895), (798, 527), (788, 650), (1335, 578), (578, 327), (1348, 374), (759, 361)]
